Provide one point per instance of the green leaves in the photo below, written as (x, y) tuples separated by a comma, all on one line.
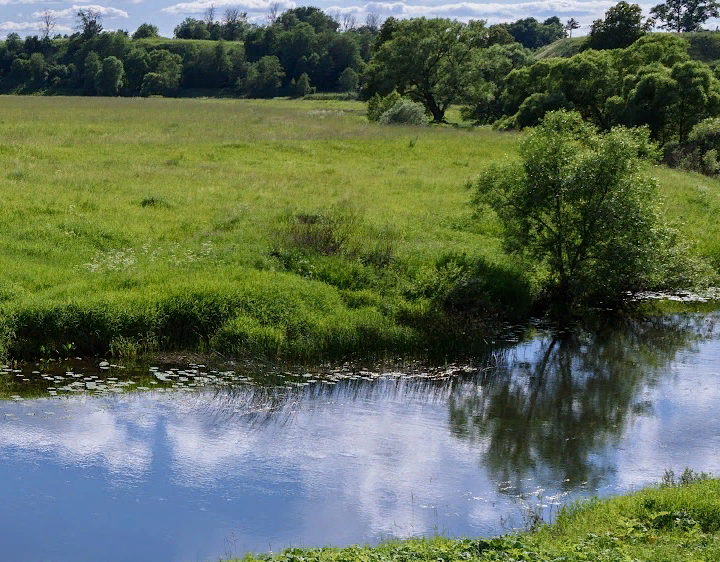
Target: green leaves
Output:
[(427, 60), (579, 205)]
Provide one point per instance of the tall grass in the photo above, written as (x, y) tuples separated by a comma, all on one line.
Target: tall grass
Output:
[(291, 228)]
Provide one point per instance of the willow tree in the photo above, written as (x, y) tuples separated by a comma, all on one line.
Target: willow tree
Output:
[(427, 60), (579, 205)]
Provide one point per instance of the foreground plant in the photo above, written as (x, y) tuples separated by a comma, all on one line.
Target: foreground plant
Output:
[(579, 205)]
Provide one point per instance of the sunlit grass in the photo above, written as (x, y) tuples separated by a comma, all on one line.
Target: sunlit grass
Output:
[(116, 213)]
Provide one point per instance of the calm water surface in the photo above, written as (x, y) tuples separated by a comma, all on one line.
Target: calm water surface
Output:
[(190, 474)]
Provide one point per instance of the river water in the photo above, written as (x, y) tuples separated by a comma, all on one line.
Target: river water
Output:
[(193, 464)]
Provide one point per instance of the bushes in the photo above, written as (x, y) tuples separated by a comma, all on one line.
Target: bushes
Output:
[(393, 109), (404, 112), (377, 105), (578, 205), (700, 152)]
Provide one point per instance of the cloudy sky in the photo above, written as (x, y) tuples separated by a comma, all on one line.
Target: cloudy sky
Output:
[(22, 16)]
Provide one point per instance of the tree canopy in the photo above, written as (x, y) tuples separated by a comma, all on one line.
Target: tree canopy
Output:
[(622, 26), (578, 204), (427, 60), (685, 15)]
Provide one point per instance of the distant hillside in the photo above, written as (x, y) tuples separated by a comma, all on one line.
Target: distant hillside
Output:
[(561, 48), (172, 44), (704, 46)]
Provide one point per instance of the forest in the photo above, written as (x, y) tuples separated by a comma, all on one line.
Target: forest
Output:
[(299, 51)]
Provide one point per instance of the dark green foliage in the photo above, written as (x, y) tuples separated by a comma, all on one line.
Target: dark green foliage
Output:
[(348, 80), (146, 31), (91, 69), (471, 287), (427, 60), (191, 28), (671, 100), (263, 80), (164, 76), (652, 83), (704, 46), (701, 151), (489, 71), (578, 205), (622, 26), (685, 15), (532, 34), (108, 79), (137, 65), (315, 17), (302, 87), (377, 105)]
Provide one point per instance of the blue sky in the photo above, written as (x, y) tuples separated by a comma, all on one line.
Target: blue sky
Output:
[(21, 16)]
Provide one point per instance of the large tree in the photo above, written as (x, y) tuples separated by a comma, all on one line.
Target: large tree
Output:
[(89, 22), (622, 26), (146, 31), (532, 34), (578, 205), (427, 60), (685, 15)]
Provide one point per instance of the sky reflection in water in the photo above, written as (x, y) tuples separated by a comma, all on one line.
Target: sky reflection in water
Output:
[(199, 475)]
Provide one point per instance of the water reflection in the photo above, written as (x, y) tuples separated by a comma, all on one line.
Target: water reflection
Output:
[(552, 407), (356, 455)]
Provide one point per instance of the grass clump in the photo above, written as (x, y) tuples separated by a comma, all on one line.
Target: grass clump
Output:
[(666, 524)]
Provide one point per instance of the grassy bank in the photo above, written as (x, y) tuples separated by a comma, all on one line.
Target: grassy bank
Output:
[(671, 523), (280, 228)]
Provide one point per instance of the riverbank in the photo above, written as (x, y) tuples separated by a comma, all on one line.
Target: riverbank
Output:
[(679, 520), (280, 229)]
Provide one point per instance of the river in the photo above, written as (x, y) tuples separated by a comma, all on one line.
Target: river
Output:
[(193, 464)]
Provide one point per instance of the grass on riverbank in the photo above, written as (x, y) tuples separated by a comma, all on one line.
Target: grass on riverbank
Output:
[(280, 228), (680, 522)]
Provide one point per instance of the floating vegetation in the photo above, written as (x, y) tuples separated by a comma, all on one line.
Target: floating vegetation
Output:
[(53, 379)]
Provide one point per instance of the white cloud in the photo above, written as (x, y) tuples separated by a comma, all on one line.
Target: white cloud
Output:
[(71, 12), (493, 12), (9, 2), (18, 25), (199, 6)]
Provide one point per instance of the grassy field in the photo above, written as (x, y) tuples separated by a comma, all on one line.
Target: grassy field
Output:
[(281, 228), (668, 524)]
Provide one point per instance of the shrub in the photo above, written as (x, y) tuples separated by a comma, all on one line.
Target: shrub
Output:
[(348, 80), (404, 112), (578, 204), (377, 105), (301, 87), (700, 151)]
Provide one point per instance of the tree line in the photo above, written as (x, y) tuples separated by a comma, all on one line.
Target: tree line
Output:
[(295, 53)]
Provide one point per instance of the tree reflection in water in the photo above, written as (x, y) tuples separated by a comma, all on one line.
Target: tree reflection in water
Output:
[(549, 417)]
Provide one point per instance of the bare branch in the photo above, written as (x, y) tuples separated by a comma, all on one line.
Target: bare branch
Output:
[(210, 15), (47, 22), (273, 13), (373, 21), (348, 22)]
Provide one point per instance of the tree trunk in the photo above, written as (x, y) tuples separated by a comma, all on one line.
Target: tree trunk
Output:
[(437, 113)]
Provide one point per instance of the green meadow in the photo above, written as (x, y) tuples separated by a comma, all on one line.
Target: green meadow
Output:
[(292, 229)]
